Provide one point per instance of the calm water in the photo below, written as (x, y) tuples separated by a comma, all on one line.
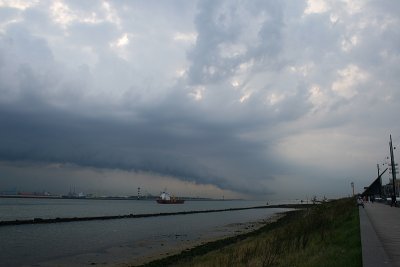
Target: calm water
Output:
[(112, 241), (17, 208)]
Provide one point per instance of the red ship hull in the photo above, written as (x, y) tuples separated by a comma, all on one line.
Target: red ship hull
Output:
[(172, 201)]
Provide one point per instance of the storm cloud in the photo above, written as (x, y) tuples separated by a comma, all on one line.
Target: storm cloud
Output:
[(261, 98)]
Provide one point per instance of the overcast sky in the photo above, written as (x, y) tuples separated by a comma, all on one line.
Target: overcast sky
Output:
[(255, 99)]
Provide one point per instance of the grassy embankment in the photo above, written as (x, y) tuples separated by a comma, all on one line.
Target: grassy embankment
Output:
[(322, 235)]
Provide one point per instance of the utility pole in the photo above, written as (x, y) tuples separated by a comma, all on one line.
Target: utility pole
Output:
[(377, 165), (352, 186), (393, 165), (380, 181)]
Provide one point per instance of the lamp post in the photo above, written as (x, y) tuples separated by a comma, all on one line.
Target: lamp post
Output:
[(393, 165)]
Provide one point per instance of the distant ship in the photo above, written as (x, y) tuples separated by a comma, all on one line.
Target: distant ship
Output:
[(165, 198)]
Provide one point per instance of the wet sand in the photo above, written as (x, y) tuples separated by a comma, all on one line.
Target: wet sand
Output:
[(155, 248)]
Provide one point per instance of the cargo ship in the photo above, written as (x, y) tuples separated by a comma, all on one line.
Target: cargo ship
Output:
[(165, 198)]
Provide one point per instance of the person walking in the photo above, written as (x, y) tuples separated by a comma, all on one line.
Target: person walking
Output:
[(360, 202), (393, 202)]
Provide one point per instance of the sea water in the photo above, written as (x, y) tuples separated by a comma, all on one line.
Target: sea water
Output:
[(111, 241), (21, 208)]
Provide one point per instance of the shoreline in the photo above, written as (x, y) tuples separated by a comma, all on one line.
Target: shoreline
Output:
[(148, 251), (323, 235), (128, 242), (241, 231)]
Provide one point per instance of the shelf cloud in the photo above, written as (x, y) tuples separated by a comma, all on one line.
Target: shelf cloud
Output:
[(250, 98)]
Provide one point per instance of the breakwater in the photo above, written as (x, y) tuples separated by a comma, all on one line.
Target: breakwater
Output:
[(132, 216)]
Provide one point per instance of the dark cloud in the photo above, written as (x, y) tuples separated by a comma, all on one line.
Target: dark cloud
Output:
[(246, 96), (152, 145)]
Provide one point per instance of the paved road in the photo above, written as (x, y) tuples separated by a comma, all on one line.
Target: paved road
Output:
[(380, 235)]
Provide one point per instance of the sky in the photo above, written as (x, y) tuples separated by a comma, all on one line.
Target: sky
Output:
[(235, 99)]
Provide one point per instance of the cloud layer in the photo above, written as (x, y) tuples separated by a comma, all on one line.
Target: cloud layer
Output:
[(259, 98)]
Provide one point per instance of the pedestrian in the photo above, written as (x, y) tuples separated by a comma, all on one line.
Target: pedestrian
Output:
[(360, 202), (393, 202)]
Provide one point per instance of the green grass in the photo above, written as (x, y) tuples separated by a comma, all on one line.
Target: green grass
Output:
[(322, 235)]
